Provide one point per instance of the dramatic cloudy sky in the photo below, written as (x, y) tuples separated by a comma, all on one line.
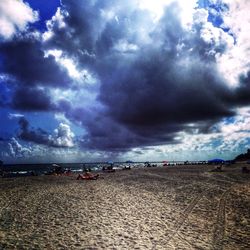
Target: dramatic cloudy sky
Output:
[(116, 80)]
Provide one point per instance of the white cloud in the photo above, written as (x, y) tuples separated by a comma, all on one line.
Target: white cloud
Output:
[(236, 134), (56, 21), (74, 96), (200, 16), (15, 16), (156, 8), (15, 149), (13, 116), (216, 36), (124, 46), (63, 136), (63, 150), (232, 137), (236, 59), (78, 75), (65, 62), (84, 84)]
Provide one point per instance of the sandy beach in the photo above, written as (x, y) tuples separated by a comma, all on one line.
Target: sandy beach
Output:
[(174, 207)]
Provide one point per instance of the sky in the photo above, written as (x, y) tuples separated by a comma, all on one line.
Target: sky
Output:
[(141, 80)]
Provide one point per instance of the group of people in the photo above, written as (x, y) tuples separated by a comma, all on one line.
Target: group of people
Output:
[(87, 175), (108, 169)]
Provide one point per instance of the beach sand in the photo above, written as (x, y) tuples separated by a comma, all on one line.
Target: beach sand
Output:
[(174, 207)]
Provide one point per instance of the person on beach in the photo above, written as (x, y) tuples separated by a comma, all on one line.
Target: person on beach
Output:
[(87, 176), (108, 169), (68, 172), (245, 170)]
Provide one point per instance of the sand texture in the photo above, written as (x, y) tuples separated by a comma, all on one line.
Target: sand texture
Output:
[(180, 207)]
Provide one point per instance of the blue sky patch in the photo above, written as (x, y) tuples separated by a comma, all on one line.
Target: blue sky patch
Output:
[(46, 10)]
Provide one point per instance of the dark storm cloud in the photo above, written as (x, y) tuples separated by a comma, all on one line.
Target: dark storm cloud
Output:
[(105, 133), (149, 90), (78, 35), (63, 106), (152, 93), (60, 139), (243, 92), (31, 99), (38, 136), (158, 93), (87, 34), (25, 60), (164, 92)]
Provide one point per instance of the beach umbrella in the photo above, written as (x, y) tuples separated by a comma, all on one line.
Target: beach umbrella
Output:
[(216, 161)]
